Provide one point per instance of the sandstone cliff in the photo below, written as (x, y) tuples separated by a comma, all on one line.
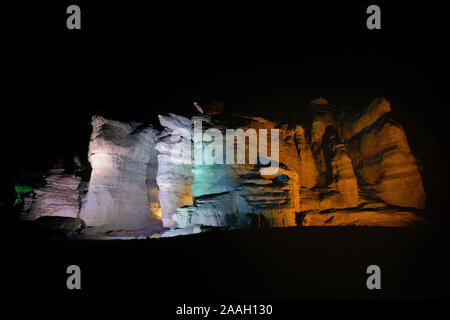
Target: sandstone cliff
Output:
[(62, 196), (340, 168), (119, 154)]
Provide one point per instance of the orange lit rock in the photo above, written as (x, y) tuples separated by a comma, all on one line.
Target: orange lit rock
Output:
[(337, 185), (359, 167), (376, 110), (324, 119), (384, 218), (386, 166)]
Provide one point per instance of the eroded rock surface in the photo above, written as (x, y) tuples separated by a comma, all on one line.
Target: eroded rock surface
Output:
[(175, 175), (118, 197), (339, 168), (385, 165), (62, 196)]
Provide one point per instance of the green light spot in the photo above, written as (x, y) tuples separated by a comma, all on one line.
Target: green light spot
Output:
[(20, 191)]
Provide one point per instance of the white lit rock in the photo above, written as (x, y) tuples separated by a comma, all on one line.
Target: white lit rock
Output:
[(119, 154), (174, 178), (62, 196)]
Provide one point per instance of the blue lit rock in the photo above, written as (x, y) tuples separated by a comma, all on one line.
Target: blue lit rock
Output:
[(218, 210), (236, 195)]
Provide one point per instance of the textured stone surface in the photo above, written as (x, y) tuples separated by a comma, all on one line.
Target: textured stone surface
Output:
[(68, 226), (339, 168), (385, 165), (175, 175), (365, 119), (119, 154), (358, 166), (62, 196), (238, 194), (382, 218)]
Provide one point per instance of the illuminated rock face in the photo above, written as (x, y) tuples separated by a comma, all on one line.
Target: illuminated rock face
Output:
[(374, 172), (334, 171), (118, 198), (338, 169), (386, 166), (238, 195), (382, 157), (175, 175), (62, 196)]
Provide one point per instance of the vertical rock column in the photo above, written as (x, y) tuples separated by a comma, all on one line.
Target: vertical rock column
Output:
[(337, 185), (175, 165), (119, 154), (381, 153), (60, 197)]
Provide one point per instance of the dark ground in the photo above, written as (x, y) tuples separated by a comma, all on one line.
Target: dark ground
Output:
[(274, 264)]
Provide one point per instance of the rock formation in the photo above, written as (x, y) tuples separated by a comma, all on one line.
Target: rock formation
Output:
[(340, 168), (175, 176), (119, 154), (383, 159), (62, 196)]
